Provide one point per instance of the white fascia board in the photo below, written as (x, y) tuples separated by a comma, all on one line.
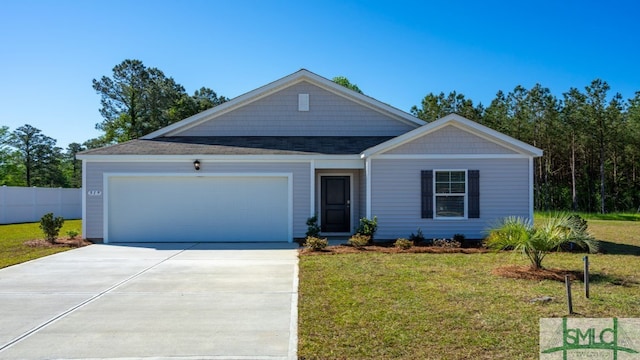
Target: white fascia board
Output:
[(228, 158), (339, 164), (449, 156), (461, 123)]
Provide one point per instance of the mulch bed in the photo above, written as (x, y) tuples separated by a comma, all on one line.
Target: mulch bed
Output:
[(529, 273), (346, 249), (60, 242)]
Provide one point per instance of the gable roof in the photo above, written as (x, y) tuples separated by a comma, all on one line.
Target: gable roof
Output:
[(462, 123), (266, 90)]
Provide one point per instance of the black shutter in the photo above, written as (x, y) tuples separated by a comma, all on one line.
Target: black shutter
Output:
[(474, 194), (427, 194)]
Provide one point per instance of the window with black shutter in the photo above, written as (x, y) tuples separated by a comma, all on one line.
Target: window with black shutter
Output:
[(450, 194)]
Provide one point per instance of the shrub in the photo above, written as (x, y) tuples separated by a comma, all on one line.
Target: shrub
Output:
[(51, 226), (403, 243), (418, 237), (315, 243), (72, 234), (558, 230), (313, 230), (459, 238), (446, 243), (367, 227), (359, 240)]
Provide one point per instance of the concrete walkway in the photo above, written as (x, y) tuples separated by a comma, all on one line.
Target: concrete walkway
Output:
[(178, 301)]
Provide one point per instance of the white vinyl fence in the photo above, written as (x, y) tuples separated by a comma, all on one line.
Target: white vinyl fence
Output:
[(23, 204)]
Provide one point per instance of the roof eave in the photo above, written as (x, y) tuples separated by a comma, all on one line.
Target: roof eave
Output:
[(257, 157)]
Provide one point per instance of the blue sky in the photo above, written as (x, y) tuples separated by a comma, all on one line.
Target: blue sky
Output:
[(395, 51)]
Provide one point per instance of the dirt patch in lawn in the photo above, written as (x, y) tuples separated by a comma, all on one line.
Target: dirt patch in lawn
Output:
[(41, 243), (529, 273), (346, 249)]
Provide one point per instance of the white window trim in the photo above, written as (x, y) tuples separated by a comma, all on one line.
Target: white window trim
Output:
[(466, 195)]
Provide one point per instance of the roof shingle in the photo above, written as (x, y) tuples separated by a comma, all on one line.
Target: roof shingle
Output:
[(243, 145)]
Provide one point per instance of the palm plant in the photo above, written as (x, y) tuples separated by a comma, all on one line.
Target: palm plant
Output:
[(560, 229)]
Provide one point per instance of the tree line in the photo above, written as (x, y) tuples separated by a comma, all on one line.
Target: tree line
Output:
[(135, 101), (590, 137)]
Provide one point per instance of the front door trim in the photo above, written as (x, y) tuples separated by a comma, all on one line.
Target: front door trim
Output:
[(319, 199)]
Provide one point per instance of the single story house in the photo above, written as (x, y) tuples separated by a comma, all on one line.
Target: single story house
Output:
[(256, 167)]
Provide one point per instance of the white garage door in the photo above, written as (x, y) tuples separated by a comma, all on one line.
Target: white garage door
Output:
[(197, 209)]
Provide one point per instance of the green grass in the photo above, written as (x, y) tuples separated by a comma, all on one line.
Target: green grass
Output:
[(12, 242), (450, 306), (596, 216)]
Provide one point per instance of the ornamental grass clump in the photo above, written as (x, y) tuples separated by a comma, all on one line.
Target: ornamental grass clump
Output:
[(359, 240), (403, 244), (519, 234), (446, 243), (315, 243)]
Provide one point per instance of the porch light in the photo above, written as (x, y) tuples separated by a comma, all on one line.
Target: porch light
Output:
[(196, 165)]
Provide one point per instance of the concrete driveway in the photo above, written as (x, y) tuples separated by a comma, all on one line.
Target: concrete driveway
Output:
[(189, 301)]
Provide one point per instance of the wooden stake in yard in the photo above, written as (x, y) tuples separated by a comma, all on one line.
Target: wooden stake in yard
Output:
[(586, 276), (567, 282)]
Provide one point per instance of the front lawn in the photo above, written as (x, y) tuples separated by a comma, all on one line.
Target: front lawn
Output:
[(451, 306), (16, 247)]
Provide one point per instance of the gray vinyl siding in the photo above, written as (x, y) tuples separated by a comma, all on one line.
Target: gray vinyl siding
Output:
[(356, 191), (395, 186), (450, 140), (278, 115), (95, 171)]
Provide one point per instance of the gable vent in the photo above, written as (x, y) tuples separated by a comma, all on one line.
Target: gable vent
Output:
[(303, 102)]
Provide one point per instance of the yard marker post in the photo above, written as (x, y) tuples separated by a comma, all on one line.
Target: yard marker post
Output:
[(586, 276), (567, 282)]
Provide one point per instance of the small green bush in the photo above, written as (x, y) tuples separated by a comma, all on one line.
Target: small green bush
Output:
[(313, 230), (459, 238), (368, 227), (72, 234), (359, 240), (315, 243), (418, 237), (51, 226), (403, 243), (446, 243)]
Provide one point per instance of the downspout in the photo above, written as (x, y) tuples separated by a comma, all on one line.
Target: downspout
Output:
[(367, 172), (312, 187), (84, 198), (531, 167)]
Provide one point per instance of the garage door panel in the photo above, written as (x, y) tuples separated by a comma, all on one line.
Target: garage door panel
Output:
[(208, 208)]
